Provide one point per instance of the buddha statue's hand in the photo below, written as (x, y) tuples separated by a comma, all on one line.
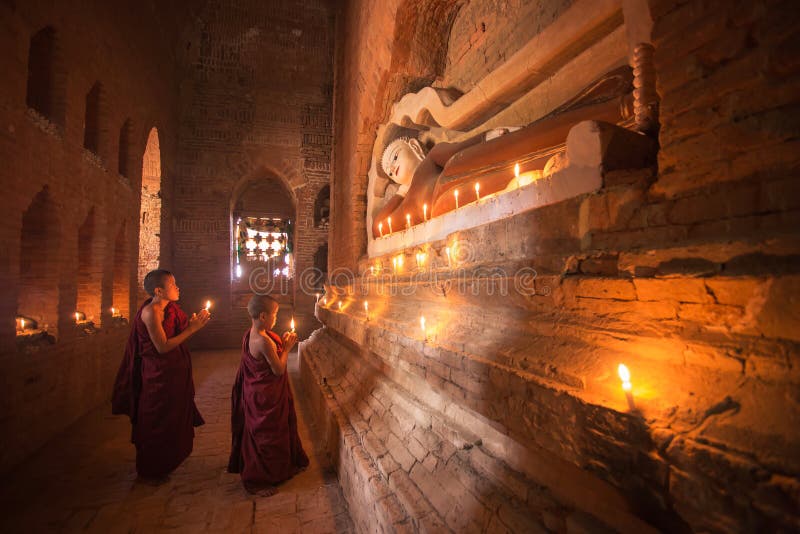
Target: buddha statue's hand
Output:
[(494, 133)]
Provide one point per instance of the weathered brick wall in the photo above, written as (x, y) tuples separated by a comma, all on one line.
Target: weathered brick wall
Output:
[(485, 34), (86, 257), (255, 104), (510, 414)]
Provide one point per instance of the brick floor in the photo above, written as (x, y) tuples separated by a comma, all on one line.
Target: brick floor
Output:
[(85, 480)]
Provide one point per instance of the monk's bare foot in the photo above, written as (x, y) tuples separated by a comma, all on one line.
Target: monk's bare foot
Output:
[(261, 491)]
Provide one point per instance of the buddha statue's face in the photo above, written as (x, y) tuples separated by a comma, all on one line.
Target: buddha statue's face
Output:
[(401, 159)]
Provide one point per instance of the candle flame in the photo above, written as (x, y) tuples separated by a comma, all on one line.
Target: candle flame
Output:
[(624, 373), (77, 317), (424, 212), (208, 304), (22, 323), (340, 304), (422, 323), (366, 305), (389, 220), (516, 170), (292, 324), (380, 228), (408, 220)]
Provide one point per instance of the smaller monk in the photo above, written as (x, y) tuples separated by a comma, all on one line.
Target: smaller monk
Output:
[(266, 447), (154, 385)]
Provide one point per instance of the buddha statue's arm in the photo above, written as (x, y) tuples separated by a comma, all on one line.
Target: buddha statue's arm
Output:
[(441, 153)]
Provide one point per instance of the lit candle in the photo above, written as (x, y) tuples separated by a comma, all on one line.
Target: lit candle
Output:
[(408, 221), (317, 295), (340, 305), (113, 311), (389, 220), (455, 193), (424, 212), (625, 376), (516, 170), (394, 263), (292, 325), (422, 326), (400, 260), (477, 191), (447, 251), (324, 300), (372, 270), (380, 228), (77, 317), (208, 305), (366, 309), (22, 324)]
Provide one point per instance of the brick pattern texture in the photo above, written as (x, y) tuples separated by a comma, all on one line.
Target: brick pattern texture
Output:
[(510, 415), (70, 228), (255, 105)]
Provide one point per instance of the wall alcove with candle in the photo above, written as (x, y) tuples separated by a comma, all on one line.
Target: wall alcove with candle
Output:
[(40, 248), (90, 273)]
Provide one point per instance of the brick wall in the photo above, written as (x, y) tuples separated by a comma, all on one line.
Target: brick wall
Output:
[(509, 414), (255, 105), (70, 229)]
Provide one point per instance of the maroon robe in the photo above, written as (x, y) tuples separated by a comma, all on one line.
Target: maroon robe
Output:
[(266, 447), (157, 392)]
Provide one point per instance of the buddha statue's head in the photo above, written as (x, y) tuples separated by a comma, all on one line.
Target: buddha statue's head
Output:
[(402, 155)]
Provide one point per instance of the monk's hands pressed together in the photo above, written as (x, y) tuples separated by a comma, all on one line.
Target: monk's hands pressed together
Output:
[(199, 320), (289, 341)]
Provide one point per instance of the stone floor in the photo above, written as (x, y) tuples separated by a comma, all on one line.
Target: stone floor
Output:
[(84, 480)]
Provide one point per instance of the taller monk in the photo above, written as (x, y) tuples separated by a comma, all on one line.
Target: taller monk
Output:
[(266, 446), (154, 385)]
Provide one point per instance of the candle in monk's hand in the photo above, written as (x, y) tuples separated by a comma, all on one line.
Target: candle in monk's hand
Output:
[(389, 220), (625, 376), (455, 194), (208, 305), (292, 325), (408, 221), (477, 191), (424, 212), (380, 228)]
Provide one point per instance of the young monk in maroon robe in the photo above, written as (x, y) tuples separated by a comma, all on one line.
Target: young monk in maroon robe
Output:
[(154, 384), (266, 447)]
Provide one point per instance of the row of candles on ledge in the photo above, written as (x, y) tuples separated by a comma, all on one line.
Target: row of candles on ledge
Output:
[(80, 317), (622, 370), (425, 207)]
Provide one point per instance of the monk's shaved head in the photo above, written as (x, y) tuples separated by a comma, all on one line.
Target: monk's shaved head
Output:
[(154, 279), (261, 303)]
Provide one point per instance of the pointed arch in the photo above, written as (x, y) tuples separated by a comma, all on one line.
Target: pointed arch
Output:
[(150, 211)]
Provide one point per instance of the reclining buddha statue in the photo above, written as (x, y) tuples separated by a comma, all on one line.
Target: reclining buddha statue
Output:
[(427, 177)]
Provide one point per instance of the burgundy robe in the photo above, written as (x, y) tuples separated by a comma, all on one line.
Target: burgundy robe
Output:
[(157, 392), (266, 447)]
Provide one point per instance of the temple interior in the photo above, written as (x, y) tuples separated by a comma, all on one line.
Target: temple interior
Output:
[(542, 257)]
